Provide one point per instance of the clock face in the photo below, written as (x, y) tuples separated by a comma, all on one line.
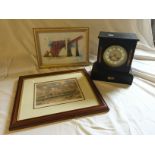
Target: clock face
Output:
[(115, 56)]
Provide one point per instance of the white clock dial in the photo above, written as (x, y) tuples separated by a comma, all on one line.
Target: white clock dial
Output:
[(115, 56)]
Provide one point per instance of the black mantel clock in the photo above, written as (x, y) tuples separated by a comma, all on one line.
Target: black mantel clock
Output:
[(115, 54)]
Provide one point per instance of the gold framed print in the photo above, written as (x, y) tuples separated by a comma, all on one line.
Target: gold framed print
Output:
[(57, 47), (50, 97)]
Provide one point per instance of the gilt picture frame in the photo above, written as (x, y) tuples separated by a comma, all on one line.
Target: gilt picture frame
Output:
[(62, 47), (50, 97)]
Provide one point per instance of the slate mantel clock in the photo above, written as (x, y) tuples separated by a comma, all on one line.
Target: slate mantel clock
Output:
[(115, 54)]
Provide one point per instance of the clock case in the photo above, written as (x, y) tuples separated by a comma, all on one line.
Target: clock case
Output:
[(101, 71)]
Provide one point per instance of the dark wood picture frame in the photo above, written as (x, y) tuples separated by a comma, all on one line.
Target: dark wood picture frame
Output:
[(19, 124)]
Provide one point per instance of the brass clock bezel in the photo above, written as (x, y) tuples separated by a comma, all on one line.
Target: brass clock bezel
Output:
[(115, 63)]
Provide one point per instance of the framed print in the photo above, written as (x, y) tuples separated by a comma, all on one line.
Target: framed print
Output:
[(57, 47), (54, 97)]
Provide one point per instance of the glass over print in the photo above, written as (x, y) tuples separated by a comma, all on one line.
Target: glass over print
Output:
[(50, 97), (61, 46)]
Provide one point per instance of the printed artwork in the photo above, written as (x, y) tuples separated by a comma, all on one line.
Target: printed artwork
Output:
[(55, 47), (61, 47), (57, 92)]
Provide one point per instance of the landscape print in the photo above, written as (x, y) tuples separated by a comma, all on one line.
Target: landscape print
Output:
[(57, 92)]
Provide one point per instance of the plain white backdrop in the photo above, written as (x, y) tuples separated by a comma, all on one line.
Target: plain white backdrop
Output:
[(103, 9), (77, 145)]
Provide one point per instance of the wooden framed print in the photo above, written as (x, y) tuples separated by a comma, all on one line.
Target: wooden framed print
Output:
[(57, 47), (54, 97)]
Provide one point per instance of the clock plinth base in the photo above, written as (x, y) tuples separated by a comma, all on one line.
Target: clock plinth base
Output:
[(109, 76)]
